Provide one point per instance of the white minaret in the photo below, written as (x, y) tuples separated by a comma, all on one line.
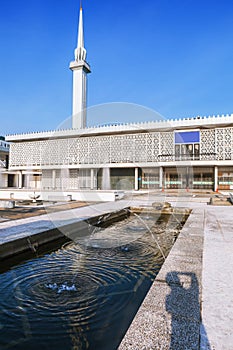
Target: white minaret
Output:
[(80, 70)]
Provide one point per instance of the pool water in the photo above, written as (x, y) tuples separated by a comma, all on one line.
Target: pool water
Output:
[(85, 294)]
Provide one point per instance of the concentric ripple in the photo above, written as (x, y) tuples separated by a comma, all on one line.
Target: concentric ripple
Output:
[(64, 300)]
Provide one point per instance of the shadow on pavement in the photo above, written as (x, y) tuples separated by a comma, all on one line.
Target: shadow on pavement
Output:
[(183, 304)]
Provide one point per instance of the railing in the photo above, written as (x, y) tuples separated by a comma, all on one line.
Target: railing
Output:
[(183, 157)]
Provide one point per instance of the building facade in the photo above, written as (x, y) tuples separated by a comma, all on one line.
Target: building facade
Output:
[(193, 153), (187, 153)]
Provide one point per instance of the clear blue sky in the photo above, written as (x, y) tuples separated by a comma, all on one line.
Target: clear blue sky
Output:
[(174, 56)]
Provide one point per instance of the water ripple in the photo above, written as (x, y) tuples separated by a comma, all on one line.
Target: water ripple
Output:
[(68, 297)]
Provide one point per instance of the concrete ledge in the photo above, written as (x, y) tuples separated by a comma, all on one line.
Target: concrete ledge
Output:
[(169, 317), (46, 195), (7, 204), (73, 231), (29, 243), (58, 198)]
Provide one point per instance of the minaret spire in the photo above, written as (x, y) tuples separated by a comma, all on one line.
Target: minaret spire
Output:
[(80, 52), (80, 70)]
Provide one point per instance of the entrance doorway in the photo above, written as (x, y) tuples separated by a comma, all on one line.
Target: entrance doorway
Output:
[(11, 180)]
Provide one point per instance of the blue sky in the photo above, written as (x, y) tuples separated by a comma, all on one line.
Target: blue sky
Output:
[(173, 56)]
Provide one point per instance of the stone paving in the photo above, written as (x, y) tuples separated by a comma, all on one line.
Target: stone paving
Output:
[(25, 209), (217, 280), (190, 304)]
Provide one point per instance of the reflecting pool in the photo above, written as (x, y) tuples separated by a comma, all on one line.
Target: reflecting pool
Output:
[(85, 294)]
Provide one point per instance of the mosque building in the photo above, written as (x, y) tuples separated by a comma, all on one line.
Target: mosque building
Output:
[(190, 153)]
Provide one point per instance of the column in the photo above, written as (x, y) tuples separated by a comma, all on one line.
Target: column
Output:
[(20, 179), (136, 179), (92, 179), (216, 179), (53, 179), (161, 177), (187, 179), (1, 180), (26, 181)]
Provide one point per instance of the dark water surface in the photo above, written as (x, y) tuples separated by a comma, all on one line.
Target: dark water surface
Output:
[(83, 296)]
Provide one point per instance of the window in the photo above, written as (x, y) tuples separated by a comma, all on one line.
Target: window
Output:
[(187, 137), (187, 145)]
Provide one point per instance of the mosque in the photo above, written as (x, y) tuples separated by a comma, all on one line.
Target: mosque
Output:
[(190, 153)]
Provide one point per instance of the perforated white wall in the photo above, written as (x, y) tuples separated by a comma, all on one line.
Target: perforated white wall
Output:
[(146, 147)]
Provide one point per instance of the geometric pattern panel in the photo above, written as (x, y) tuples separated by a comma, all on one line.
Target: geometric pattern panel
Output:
[(104, 149), (220, 144), (93, 145), (129, 148), (83, 150), (154, 148), (115, 148), (224, 143), (207, 144), (24, 153), (143, 147), (166, 146), (140, 144), (73, 151), (228, 144)]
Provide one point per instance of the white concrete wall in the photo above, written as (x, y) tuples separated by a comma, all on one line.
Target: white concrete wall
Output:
[(86, 196), (3, 180)]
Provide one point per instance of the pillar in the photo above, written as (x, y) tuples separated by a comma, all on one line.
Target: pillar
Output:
[(215, 178), (187, 179), (53, 179), (161, 177), (92, 179), (20, 179), (136, 179), (1, 180), (26, 180)]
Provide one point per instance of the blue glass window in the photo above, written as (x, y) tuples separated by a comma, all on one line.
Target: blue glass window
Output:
[(187, 137)]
